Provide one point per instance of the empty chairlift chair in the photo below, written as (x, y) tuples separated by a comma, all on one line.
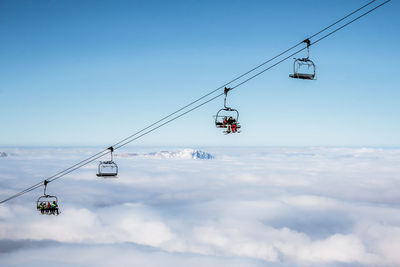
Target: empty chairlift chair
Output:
[(304, 68), (108, 168)]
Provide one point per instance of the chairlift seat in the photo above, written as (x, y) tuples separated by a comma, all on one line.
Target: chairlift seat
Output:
[(303, 76), (303, 68), (107, 169), (226, 125), (106, 174)]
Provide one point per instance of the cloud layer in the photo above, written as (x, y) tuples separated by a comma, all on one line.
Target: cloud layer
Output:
[(246, 207)]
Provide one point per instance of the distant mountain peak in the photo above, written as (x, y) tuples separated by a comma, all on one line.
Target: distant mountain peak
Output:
[(3, 154), (180, 154)]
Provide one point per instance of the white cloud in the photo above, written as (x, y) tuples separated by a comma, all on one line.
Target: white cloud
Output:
[(249, 207)]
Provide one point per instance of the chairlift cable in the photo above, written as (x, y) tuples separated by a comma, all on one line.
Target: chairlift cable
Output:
[(130, 138), (350, 22), (171, 120), (345, 17), (22, 192), (90, 159), (77, 167)]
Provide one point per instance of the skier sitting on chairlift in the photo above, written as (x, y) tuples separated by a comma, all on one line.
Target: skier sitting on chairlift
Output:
[(41, 207), (231, 120), (232, 123), (225, 121), (48, 207), (54, 208), (234, 128)]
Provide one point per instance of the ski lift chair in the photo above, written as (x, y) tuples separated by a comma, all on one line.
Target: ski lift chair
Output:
[(304, 68), (108, 168), (222, 118), (47, 204)]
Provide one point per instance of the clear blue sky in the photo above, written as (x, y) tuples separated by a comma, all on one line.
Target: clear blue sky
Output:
[(93, 72)]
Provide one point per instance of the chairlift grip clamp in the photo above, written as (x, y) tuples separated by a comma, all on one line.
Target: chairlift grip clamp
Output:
[(308, 42), (226, 90)]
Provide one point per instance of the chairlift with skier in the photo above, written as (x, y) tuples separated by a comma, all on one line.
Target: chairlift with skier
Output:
[(227, 118)]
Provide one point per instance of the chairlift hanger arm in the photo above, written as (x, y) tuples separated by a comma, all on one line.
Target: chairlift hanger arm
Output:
[(226, 90), (308, 43), (111, 148), (45, 182)]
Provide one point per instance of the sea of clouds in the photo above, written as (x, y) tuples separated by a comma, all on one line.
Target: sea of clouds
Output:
[(238, 207)]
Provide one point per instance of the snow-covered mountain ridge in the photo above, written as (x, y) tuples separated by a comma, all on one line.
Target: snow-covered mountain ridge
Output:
[(180, 154), (3, 154)]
